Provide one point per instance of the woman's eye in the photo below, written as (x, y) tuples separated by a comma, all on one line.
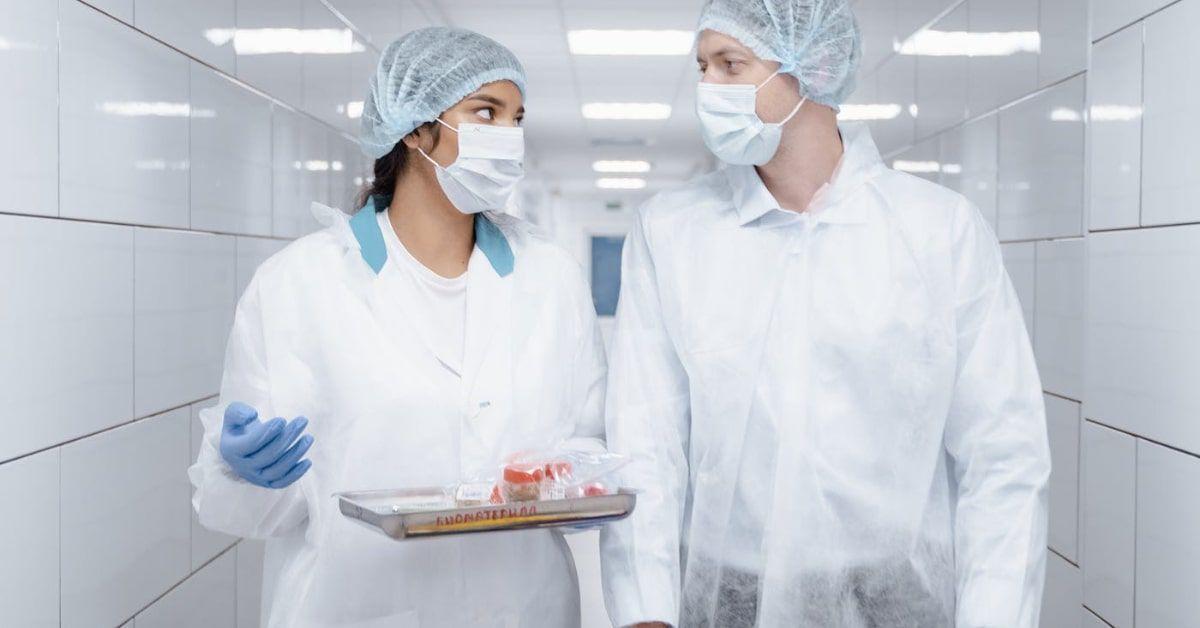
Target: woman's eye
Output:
[(486, 114)]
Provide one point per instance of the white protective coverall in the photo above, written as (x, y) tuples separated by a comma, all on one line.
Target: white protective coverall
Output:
[(319, 333), (835, 416)]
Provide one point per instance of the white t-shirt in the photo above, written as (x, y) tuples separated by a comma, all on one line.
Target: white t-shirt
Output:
[(439, 303)]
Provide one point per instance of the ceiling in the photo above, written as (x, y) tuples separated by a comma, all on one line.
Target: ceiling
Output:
[(562, 144)]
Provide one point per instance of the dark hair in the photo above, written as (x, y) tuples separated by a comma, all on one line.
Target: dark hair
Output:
[(388, 170)]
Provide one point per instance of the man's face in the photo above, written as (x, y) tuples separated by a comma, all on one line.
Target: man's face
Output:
[(723, 60)]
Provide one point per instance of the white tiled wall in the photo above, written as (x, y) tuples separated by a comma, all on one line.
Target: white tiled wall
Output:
[(146, 170), (1084, 153)]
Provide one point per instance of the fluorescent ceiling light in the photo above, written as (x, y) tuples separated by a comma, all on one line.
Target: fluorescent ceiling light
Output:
[(626, 111), (1115, 113), (614, 183), (869, 112), (612, 165), (306, 41), (932, 43), (354, 109), (630, 42)]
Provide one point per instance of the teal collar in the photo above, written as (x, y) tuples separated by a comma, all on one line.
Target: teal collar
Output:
[(488, 238)]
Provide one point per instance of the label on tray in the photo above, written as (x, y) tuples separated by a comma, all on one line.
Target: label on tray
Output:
[(491, 514)]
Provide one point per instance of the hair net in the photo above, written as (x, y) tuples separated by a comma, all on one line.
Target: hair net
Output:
[(817, 41), (424, 73)]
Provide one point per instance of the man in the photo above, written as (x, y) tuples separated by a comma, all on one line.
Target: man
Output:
[(819, 368)]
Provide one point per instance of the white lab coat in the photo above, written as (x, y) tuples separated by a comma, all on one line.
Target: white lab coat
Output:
[(909, 457), (319, 334)]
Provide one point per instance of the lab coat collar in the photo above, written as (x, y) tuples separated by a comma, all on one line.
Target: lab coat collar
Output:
[(489, 239), (859, 164)]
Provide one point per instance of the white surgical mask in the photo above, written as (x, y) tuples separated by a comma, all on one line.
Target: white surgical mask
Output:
[(731, 126), (491, 160)]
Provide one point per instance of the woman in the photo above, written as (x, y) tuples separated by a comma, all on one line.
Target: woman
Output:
[(423, 341)]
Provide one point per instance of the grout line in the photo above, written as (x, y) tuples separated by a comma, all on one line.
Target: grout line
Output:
[(1063, 397), (191, 572), (1097, 615), (1140, 437), (1137, 448), (1141, 19), (1142, 130), (1059, 554), (92, 221), (1169, 225), (110, 428)]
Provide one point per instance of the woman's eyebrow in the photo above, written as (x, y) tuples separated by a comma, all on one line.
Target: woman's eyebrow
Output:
[(488, 99)]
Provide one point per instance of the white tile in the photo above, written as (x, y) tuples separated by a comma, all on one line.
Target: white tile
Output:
[(1111, 15), (1064, 28), (1062, 422), (326, 85), (29, 542), (278, 74), (1041, 165), (29, 152), (363, 66), (1107, 523), (1062, 597), (231, 156), (120, 9), (250, 253), (1059, 314), (123, 138), (1171, 149), (125, 520), (1001, 79), (203, 29), (969, 163), (942, 81), (920, 160), (1168, 548), (1115, 127), (343, 159), (207, 599), (183, 304), (205, 543), (250, 581), (299, 151), (1143, 333), (1020, 262), (897, 85), (66, 328)]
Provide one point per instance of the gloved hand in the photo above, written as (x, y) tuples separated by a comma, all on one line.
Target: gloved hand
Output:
[(265, 454)]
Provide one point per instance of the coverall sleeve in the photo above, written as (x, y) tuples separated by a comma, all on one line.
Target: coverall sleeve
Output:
[(997, 442), (224, 501), (647, 416), (588, 374)]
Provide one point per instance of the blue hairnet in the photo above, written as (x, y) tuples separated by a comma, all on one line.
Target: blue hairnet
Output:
[(424, 73), (817, 41)]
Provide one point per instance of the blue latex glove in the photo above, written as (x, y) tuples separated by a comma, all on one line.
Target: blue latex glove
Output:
[(265, 454)]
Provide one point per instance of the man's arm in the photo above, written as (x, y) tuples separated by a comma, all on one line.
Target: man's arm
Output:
[(996, 438), (647, 419)]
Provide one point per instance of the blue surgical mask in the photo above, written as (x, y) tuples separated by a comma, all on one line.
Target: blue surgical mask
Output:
[(731, 126)]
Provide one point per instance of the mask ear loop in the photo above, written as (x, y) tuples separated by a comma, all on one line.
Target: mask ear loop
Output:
[(426, 155), (791, 115)]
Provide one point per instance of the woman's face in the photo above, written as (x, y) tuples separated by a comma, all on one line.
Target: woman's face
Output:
[(494, 104)]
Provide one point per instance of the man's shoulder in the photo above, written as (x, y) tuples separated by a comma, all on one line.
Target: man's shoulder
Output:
[(700, 199)]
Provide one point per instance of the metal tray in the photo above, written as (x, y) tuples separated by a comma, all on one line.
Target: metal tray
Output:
[(382, 511)]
